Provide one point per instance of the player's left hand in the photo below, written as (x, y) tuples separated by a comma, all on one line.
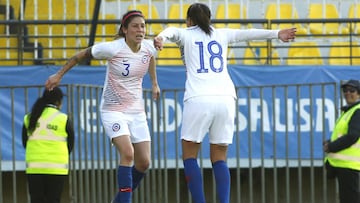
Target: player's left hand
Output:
[(155, 92), (287, 35), (158, 43)]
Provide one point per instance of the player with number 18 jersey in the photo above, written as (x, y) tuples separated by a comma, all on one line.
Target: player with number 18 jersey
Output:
[(205, 57), (210, 97)]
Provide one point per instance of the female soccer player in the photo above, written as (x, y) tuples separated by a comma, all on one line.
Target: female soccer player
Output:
[(209, 100), (122, 110)]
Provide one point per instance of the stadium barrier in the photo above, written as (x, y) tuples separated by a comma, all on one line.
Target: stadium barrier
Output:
[(276, 154)]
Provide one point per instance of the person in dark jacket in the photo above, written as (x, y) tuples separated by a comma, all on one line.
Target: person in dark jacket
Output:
[(342, 158), (48, 139)]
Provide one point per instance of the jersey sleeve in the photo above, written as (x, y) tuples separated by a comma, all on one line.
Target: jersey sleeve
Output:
[(102, 50), (171, 34), (236, 35)]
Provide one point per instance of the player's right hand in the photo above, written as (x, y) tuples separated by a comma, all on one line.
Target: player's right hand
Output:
[(52, 81)]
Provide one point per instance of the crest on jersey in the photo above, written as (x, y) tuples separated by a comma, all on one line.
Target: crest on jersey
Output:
[(145, 59), (116, 127)]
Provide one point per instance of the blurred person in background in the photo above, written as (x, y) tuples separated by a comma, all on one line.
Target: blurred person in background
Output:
[(48, 139)]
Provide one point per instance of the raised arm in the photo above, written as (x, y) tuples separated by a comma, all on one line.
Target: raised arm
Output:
[(170, 34), (237, 35), (287, 35), (54, 80), (158, 43), (153, 77)]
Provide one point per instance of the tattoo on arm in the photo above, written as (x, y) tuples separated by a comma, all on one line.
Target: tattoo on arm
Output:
[(79, 57), (82, 56), (67, 62), (88, 53), (75, 58)]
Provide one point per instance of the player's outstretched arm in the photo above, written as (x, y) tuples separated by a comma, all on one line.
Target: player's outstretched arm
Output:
[(287, 35), (158, 42), (170, 34), (54, 80)]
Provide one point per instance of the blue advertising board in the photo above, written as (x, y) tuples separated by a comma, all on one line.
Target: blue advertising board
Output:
[(269, 123)]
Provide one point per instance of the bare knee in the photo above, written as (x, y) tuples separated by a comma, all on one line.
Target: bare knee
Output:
[(142, 166), (142, 156), (125, 149), (142, 162), (127, 157)]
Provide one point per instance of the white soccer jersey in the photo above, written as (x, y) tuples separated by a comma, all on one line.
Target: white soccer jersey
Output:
[(205, 56), (124, 74)]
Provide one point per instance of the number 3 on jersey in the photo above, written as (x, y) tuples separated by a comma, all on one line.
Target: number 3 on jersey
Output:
[(126, 69), (215, 51)]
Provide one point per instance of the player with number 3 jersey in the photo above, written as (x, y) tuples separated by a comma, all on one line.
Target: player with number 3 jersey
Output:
[(129, 58), (209, 100)]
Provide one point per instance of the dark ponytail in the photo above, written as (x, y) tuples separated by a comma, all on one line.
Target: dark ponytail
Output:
[(36, 112), (200, 15), (53, 97)]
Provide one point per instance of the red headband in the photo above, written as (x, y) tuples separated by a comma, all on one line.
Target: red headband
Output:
[(131, 14)]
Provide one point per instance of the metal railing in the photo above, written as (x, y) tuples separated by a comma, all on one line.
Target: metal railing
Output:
[(24, 48), (275, 157)]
